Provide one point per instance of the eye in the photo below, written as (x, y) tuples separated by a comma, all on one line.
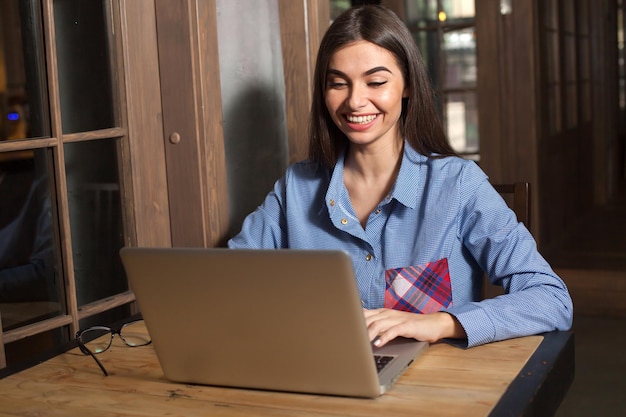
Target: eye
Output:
[(336, 84), (376, 83)]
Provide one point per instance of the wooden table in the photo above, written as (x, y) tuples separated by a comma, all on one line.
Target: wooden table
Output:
[(518, 377)]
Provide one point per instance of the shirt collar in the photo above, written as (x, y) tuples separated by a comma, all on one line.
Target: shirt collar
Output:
[(409, 179), (404, 188)]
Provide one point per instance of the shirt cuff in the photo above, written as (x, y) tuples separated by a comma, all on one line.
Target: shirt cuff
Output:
[(476, 323)]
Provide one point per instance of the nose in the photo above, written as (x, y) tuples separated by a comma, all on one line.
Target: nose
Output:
[(358, 97)]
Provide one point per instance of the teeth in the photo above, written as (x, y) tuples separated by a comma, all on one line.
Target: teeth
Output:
[(361, 119)]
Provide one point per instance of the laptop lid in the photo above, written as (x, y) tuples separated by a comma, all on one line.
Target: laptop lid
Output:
[(287, 320)]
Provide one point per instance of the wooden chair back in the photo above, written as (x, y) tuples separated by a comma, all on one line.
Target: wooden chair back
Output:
[(517, 195)]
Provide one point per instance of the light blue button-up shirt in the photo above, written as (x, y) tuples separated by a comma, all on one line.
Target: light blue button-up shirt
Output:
[(438, 208)]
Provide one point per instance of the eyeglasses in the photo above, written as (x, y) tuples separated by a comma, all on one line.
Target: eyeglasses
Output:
[(98, 339)]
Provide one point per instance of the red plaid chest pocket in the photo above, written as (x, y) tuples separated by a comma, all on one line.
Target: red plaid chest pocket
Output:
[(419, 289)]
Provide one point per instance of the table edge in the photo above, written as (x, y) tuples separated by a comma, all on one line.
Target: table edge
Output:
[(543, 382)]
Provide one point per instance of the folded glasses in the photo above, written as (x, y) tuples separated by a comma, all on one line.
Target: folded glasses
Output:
[(97, 339)]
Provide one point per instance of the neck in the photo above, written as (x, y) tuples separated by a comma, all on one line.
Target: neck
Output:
[(374, 164)]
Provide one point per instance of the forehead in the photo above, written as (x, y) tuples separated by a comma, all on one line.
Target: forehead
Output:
[(360, 56)]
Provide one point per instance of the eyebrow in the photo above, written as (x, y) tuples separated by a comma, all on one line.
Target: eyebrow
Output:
[(368, 72)]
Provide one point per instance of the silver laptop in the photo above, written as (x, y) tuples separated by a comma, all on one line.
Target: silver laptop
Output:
[(286, 320)]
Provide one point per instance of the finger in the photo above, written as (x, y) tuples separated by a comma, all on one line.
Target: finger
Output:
[(374, 326), (383, 338)]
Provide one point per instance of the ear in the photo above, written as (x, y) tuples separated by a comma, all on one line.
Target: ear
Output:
[(405, 93)]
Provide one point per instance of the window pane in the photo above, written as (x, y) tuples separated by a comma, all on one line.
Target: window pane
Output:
[(461, 121), (338, 6), (82, 41), (460, 47), (95, 218), (455, 9), (23, 91), (428, 43), (30, 288), (421, 12)]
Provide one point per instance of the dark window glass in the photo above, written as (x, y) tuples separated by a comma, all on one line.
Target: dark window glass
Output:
[(95, 218), (24, 109), (421, 12), (30, 283), (84, 65), (45, 343)]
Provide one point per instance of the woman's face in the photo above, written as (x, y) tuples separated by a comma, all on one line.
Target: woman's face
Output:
[(364, 91)]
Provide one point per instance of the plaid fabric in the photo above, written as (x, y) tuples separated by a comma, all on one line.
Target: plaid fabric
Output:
[(419, 289)]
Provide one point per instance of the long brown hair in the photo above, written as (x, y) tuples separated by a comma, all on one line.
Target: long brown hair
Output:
[(420, 123)]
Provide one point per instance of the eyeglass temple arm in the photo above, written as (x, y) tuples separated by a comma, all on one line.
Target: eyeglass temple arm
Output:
[(84, 349)]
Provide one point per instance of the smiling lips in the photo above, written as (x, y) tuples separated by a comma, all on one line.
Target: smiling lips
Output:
[(361, 119)]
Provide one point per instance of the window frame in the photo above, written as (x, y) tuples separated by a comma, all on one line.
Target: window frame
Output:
[(71, 312)]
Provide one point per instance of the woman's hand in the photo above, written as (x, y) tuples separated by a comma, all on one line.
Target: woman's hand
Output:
[(384, 325)]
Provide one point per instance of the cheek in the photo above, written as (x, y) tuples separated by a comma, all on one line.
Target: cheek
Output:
[(391, 101), (332, 101)]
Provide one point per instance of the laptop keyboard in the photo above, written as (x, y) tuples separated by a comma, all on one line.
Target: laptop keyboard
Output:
[(382, 361)]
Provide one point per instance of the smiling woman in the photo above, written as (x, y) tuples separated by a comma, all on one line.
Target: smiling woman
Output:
[(382, 183)]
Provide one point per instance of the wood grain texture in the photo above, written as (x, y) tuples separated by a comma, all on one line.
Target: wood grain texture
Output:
[(445, 381), (150, 206)]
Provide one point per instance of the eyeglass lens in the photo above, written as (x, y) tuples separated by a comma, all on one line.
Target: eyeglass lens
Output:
[(134, 334), (98, 338)]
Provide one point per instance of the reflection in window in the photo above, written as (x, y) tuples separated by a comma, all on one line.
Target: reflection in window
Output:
[(457, 9), (30, 288), (95, 218), (444, 31), (23, 99), (85, 83), (460, 48), (461, 121)]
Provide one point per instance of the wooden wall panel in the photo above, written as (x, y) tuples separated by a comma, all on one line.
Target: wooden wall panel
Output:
[(180, 126), (209, 108), (147, 182), (302, 26)]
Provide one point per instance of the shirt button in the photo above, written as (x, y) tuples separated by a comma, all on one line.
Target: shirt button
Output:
[(377, 211), (332, 203), (344, 221), (368, 257)]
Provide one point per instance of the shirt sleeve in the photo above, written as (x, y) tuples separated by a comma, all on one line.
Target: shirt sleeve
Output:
[(265, 227), (536, 300)]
